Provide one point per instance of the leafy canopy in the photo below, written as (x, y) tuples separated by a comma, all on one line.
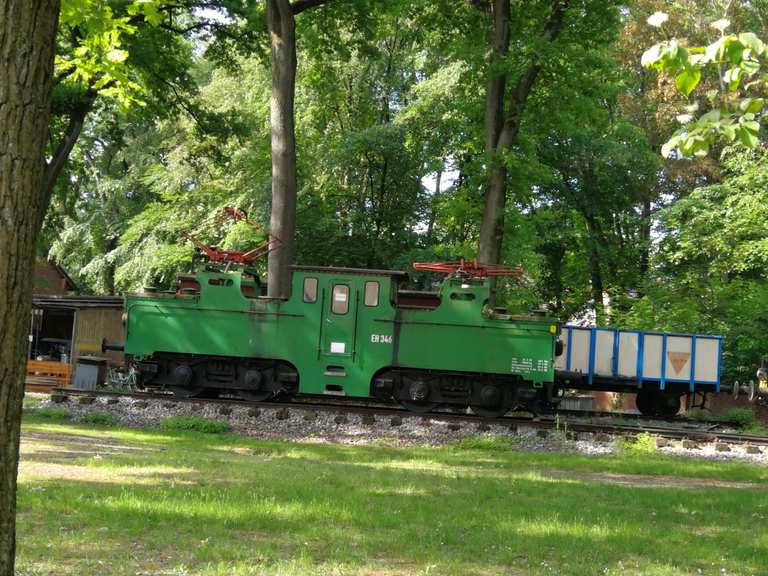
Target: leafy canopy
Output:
[(734, 108)]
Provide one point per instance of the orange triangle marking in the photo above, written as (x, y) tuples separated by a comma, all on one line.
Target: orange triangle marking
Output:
[(679, 360)]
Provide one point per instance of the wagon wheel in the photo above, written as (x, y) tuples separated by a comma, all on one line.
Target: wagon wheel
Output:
[(644, 403), (668, 405)]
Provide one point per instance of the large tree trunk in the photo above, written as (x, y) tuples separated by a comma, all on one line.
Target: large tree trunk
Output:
[(282, 29), (492, 225), (502, 127), (281, 22), (27, 44)]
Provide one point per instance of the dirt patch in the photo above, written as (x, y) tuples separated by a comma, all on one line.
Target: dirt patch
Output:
[(47, 456), (648, 481)]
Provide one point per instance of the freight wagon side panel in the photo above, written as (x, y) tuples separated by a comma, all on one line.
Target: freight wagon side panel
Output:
[(633, 357)]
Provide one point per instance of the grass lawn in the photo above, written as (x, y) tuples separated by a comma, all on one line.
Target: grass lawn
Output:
[(113, 501)]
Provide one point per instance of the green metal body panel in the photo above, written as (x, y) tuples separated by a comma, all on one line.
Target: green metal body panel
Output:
[(345, 350)]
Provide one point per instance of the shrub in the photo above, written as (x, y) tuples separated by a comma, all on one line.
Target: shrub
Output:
[(194, 424), (744, 418), (99, 418), (53, 413), (643, 443)]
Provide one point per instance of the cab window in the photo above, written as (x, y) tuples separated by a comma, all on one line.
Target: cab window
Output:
[(371, 294), (340, 303), (310, 290)]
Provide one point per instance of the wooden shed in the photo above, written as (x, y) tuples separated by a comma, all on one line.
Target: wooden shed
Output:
[(64, 329)]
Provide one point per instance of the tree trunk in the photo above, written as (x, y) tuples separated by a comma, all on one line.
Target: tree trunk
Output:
[(27, 44), (501, 128), (282, 29), (281, 23), (495, 195)]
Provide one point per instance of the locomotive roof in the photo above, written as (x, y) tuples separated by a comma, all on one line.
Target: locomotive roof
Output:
[(357, 271)]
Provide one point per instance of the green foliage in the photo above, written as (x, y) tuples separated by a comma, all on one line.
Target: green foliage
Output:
[(643, 443), (744, 418), (739, 62), (194, 424), (710, 265), (99, 418)]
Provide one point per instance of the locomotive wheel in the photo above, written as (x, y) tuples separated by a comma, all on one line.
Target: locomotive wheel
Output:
[(491, 402), (415, 396), (255, 395), (487, 412), (257, 391), (183, 393), (418, 407)]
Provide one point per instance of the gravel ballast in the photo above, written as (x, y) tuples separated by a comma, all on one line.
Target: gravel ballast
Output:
[(304, 424)]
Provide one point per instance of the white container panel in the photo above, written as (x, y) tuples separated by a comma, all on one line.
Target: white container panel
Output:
[(629, 344), (652, 356), (604, 353), (678, 358), (580, 350), (707, 359)]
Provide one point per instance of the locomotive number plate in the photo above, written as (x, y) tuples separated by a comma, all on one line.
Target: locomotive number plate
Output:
[(381, 338)]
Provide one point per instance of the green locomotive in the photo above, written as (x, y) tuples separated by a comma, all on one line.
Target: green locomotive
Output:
[(343, 331)]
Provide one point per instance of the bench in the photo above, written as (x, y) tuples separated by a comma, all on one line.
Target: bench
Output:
[(43, 375)]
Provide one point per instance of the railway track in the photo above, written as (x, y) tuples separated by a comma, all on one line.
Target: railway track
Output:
[(568, 422)]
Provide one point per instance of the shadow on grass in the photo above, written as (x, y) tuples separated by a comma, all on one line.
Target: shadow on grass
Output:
[(343, 513)]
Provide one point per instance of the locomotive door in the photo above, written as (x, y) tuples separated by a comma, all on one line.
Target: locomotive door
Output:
[(340, 320)]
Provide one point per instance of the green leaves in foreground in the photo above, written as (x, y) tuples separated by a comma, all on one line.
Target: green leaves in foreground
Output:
[(737, 61)]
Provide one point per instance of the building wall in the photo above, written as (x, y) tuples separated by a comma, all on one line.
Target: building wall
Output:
[(94, 324)]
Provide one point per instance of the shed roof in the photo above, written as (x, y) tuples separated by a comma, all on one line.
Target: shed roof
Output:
[(77, 302)]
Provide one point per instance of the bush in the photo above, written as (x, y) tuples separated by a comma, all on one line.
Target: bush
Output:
[(643, 443), (194, 424), (53, 413), (99, 418), (742, 417)]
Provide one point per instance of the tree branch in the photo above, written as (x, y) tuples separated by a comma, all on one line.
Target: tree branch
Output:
[(59, 159), (525, 83), (298, 6)]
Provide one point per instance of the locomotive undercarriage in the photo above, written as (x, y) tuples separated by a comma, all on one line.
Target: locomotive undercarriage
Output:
[(488, 395), (189, 376)]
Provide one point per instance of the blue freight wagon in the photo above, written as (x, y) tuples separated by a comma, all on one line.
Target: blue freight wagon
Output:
[(660, 367)]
